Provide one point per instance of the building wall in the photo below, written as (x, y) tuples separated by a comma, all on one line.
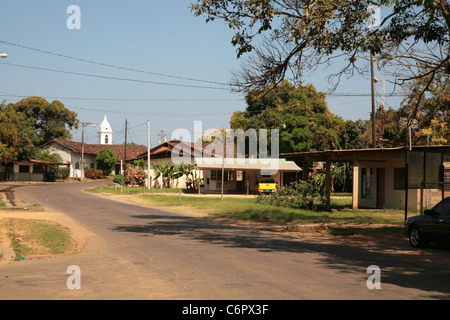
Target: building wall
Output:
[(393, 198), (176, 183), (74, 158), (250, 183), (75, 167)]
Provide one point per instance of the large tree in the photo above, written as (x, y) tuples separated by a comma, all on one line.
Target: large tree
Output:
[(289, 38), (27, 124), (15, 140), (299, 112), (49, 120)]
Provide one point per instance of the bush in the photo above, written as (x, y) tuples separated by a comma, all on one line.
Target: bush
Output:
[(119, 179), (93, 174), (135, 176), (106, 158), (300, 195), (63, 173)]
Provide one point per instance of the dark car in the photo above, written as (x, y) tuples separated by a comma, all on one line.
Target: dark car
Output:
[(432, 226)]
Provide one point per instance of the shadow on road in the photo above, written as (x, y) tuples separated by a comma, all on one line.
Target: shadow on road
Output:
[(427, 269)]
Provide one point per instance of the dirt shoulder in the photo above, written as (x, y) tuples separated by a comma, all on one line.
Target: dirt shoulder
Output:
[(19, 209)]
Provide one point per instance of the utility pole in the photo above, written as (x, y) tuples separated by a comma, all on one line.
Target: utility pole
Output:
[(372, 84), (83, 124), (149, 178), (125, 145), (223, 161), (373, 23)]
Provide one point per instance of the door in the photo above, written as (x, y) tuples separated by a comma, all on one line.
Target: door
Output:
[(380, 188), (240, 181)]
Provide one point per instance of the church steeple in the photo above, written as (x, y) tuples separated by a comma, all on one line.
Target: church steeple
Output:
[(105, 132)]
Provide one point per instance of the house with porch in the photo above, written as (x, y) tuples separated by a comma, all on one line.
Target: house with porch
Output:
[(241, 175), (28, 170)]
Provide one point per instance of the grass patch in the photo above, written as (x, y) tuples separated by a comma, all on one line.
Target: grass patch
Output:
[(246, 209), (32, 237)]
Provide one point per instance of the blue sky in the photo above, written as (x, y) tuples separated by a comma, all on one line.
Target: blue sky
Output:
[(160, 37)]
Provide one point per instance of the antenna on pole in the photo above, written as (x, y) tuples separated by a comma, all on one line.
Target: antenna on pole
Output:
[(162, 137)]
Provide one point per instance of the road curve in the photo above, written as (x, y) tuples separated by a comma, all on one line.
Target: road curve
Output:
[(137, 252)]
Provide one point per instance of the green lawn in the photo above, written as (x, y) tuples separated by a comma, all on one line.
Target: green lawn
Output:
[(37, 237), (246, 209)]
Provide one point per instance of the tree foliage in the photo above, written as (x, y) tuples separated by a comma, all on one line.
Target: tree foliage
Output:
[(169, 172), (430, 117), (289, 39), (48, 119), (299, 112), (27, 124), (14, 135), (106, 159)]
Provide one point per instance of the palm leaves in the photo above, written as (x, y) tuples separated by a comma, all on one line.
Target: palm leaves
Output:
[(169, 172)]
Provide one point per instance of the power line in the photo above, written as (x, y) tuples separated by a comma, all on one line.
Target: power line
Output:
[(126, 99), (111, 78), (110, 65), (153, 114)]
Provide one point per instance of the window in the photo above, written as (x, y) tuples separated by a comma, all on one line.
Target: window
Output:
[(106, 139), (24, 169), (77, 165), (38, 169), (92, 165), (367, 183), (399, 178), (216, 175), (443, 208)]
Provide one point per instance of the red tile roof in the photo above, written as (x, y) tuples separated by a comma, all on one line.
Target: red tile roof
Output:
[(165, 149), (132, 150)]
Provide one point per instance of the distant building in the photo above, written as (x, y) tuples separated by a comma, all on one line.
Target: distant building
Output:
[(105, 132), (71, 151)]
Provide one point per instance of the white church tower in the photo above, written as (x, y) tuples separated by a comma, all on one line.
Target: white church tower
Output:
[(104, 132)]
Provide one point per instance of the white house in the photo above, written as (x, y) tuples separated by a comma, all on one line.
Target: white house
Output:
[(71, 151), (241, 174)]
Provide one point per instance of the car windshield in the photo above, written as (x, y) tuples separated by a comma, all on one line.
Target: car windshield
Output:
[(443, 207), (267, 180)]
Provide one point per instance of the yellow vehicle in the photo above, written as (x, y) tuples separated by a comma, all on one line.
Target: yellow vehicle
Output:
[(267, 185)]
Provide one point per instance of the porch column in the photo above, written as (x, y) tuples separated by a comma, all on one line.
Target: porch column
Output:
[(304, 171), (355, 184), (328, 183)]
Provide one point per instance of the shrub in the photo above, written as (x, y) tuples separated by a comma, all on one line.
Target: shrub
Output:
[(119, 179), (301, 195), (106, 158), (63, 173), (93, 174), (135, 176)]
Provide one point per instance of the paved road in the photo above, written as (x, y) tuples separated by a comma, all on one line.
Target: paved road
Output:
[(146, 253)]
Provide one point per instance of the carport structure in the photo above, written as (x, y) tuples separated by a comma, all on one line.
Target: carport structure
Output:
[(381, 178)]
